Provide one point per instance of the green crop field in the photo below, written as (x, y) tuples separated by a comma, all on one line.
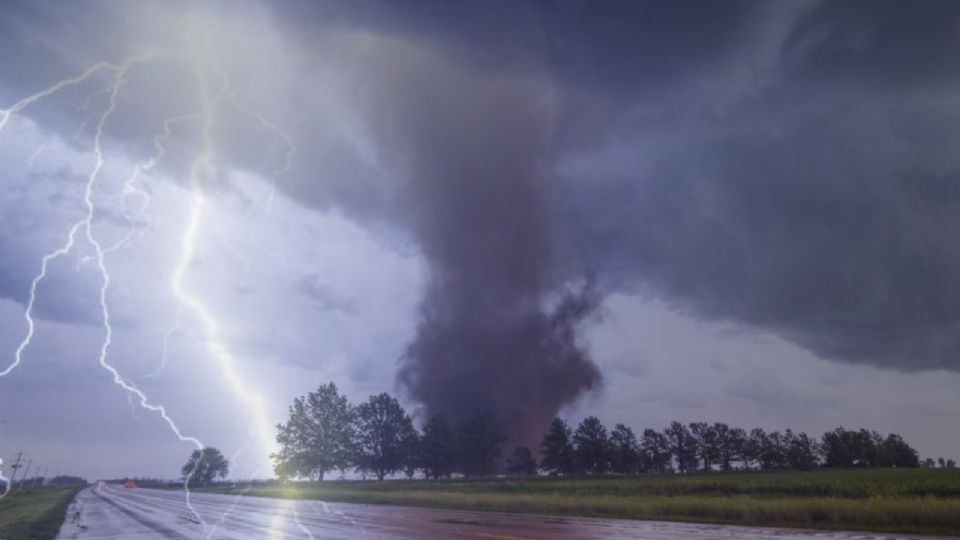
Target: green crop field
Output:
[(881, 500), (34, 514)]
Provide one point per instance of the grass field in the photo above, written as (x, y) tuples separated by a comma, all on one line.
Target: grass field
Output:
[(34, 514), (904, 500)]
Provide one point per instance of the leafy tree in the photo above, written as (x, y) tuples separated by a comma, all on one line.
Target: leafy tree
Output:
[(951, 464), (928, 463), (774, 452), (592, 446), (751, 448), (521, 462), (655, 451), (204, 466), (723, 453), (317, 437), (410, 454), (438, 448), (381, 428), (556, 450), (624, 450), (802, 451), (480, 441), (872, 451), (942, 462), (683, 446), (899, 452), (707, 448), (763, 449), (849, 448), (837, 448), (735, 448)]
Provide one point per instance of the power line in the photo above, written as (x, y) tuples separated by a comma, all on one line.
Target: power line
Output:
[(25, 473), (14, 468)]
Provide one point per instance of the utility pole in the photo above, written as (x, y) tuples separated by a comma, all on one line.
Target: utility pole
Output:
[(25, 473), (13, 469)]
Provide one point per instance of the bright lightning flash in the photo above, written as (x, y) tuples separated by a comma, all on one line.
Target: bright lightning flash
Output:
[(82, 231)]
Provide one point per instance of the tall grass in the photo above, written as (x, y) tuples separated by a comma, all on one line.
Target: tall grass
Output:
[(35, 514), (905, 500)]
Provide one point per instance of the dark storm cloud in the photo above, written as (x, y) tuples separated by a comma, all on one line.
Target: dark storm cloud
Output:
[(789, 166), (471, 132), (822, 206), (472, 188)]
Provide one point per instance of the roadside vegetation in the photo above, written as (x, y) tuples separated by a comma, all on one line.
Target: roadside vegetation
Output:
[(35, 513), (699, 472), (327, 434), (922, 501)]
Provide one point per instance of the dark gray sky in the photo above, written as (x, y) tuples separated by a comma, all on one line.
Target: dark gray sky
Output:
[(742, 212)]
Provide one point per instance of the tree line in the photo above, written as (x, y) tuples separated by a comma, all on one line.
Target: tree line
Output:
[(326, 433), (699, 446)]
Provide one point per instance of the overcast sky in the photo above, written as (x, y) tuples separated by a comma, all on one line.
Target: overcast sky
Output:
[(646, 211)]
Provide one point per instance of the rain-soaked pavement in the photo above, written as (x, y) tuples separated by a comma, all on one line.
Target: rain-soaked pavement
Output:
[(147, 514)]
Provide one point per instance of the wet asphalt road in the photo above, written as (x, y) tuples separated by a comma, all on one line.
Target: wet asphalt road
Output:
[(103, 512)]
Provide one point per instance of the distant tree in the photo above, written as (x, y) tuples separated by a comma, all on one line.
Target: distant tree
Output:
[(735, 444), (707, 449), (480, 441), (521, 462), (951, 464), (438, 448), (942, 463), (317, 437), (837, 448), (900, 453), (750, 452), (871, 449), (410, 443), (655, 450), (204, 466), (381, 429), (928, 463), (765, 448), (860, 448), (592, 446), (724, 454), (63, 480), (556, 450), (774, 452), (624, 450), (683, 446), (802, 451)]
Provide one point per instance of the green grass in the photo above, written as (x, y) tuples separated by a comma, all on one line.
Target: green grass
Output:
[(34, 514), (906, 500)]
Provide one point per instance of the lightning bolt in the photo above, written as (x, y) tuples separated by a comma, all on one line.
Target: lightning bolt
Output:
[(285, 167), (287, 164), (85, 224), (82, 231), (6, 114), (199, 171), (131, 186)]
